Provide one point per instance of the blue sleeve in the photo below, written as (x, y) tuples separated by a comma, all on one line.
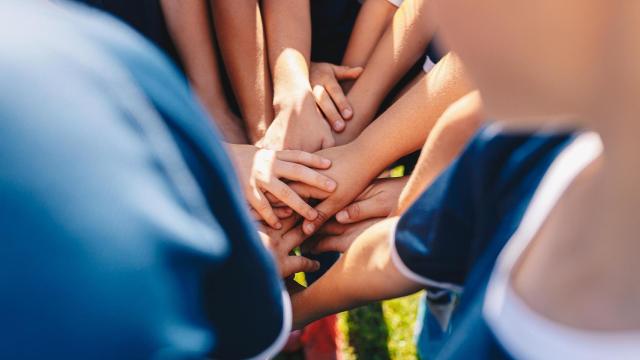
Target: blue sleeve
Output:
[(111, 248), (480, 196)]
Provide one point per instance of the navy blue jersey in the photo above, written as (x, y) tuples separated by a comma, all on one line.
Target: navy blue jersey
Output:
[(124, 233), (466, 216)]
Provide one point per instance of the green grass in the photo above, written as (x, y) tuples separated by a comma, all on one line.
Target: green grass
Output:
[(380, 331)]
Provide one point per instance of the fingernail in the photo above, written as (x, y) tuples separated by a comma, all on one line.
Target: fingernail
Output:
[(278, 226), (309, 229), (331, 185), (339, 124), (342, 216), (346, 113), (316, 265), (326, 162), (312, 214)]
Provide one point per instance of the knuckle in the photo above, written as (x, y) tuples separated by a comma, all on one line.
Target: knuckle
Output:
[(354, 210), (285, 192)]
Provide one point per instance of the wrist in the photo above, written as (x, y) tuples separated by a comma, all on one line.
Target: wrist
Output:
[(291, 93), (369, 151), (290, 75)]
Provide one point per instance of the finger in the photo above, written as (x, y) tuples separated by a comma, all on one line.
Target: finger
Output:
[(301, 173), (296, 264), (309, 192), (346, 72), (293, 238), (304, 158), (328, 108), (274, 201), (332, 228), (329, 243), (285, 194), (254, 214), (363, 210), (283, 212), (339, 99), (260, 204), (324, 210)]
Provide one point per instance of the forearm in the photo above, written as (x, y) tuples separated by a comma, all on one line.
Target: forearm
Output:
[(372, 21), (402, 44), (190, 30), (450, 134), (240, 32), (288, 28), (404, 127), (343, 288)]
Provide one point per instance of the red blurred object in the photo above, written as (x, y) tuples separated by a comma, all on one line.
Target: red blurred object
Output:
[(321, 339)]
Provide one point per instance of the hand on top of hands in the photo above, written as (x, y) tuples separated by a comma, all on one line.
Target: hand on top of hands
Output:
[(375, 203), (346, 163), (261, 171), (298, 124), (325, 81)]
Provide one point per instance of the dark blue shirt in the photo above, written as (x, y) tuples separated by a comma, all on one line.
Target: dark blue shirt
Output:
[(124, 233), (449, 239)]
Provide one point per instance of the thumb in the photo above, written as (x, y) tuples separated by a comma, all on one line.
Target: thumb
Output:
[(346, 72), (362, 210)]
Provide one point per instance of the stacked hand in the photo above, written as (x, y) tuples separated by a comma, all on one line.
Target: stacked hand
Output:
[(264, 171), (375, 203)]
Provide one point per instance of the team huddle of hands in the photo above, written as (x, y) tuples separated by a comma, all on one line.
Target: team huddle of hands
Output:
[(303, 186)]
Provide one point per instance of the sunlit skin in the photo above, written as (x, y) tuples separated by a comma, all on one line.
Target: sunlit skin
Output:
[(400, 46), (592, 75), (568, 85)]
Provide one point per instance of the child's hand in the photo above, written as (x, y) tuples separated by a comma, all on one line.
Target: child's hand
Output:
[(378, 200), (260, 171), (281, 249), (352, 171), (330, 97), (298, 125), (334, 236)]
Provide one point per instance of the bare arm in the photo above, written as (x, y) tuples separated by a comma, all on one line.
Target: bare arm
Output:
[(240, 32), (298, 124), (190, 29), (402, 129), (342, 288), (399, 48), (450, 134), (372, 21)]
